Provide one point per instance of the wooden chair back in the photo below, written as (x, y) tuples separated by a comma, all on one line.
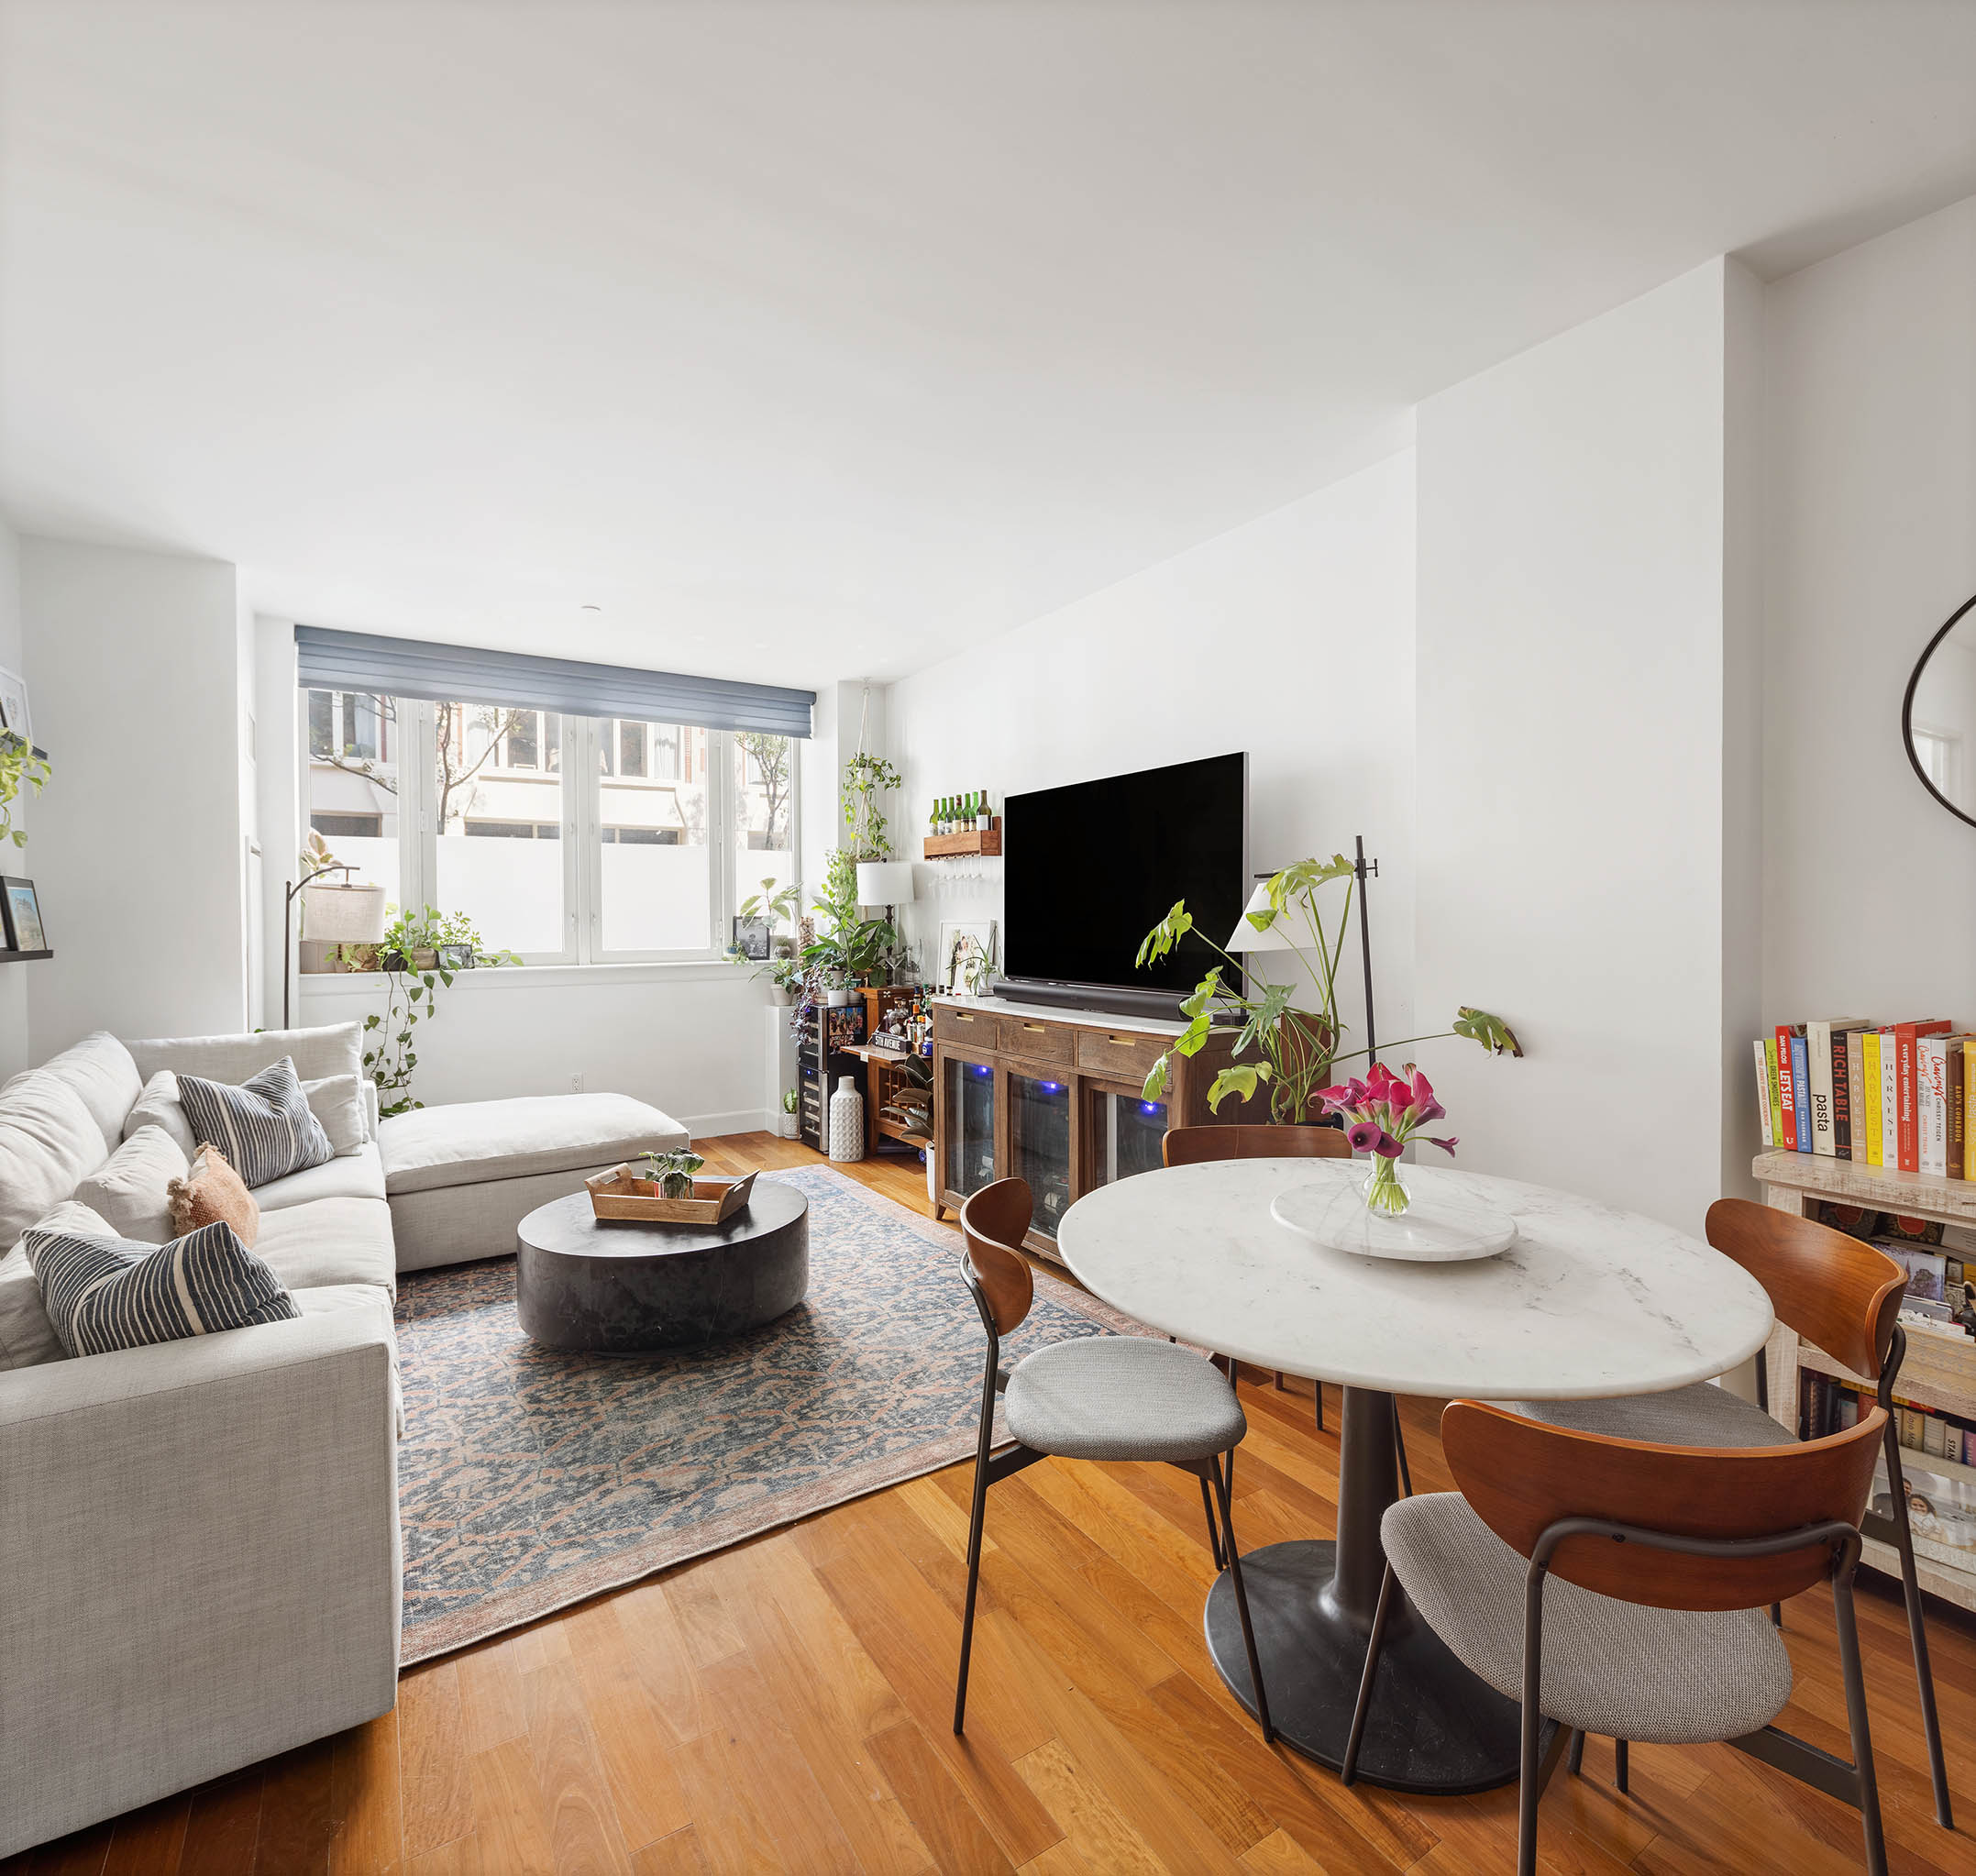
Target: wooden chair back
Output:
[(993, 1224), (1188, 1146), (1840, 1295), (1521, 1476)]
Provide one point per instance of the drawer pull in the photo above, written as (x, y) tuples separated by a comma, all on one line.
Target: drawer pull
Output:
[(1123, 1041), (959, 1018), (1037, 1027)]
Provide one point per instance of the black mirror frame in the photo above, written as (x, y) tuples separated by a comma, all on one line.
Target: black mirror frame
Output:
[(1907, 709)]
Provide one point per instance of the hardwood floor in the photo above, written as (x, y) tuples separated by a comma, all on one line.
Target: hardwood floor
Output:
[(785, 1705)]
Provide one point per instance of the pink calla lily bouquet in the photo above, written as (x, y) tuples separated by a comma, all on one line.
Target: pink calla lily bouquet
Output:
[(1381, 1113)]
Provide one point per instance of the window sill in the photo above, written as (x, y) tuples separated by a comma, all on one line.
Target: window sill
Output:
[(694, 970)]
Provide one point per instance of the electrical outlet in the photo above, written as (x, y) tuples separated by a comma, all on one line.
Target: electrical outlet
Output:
[(576, 1082)]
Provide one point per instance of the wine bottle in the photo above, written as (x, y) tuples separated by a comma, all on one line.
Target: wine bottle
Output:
[(982, 817), (932, 818), (946, 814)]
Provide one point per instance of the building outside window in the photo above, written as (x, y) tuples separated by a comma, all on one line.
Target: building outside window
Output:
[(353, 782)]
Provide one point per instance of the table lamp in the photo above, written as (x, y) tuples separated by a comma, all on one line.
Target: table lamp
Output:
[(345, 915)]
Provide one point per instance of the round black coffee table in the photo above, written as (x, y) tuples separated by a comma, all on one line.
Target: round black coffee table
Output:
[(611, 1289)]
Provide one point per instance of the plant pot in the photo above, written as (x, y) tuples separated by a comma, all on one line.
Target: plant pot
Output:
[(778, 994), (836, 999), (788, 1127), (425, 960)]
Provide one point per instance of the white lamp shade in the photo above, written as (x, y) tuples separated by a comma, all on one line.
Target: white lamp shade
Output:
[(343, 914), (884, 882), (1247, 938)]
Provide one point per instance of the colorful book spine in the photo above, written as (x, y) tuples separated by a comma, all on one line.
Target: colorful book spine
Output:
[(1801, 1081), (1841, 1095), (1764, 1098), (1786, 1090), (1931, 1104), (1907, 1069), (1818, 1085), (1956, 1074), (1890, 1104), (1776, 1091), (1969, 1106), (1856, 1090), (1869, 1092)]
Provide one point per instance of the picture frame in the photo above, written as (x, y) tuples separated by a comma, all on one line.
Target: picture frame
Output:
[(22, 906), (455, 957), (966, 956), (754, 938), (15, 714)]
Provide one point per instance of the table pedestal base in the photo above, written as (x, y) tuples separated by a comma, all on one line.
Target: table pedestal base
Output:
[(1434, 1727)]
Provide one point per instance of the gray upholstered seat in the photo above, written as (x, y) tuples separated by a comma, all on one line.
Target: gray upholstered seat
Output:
[(1702, 1415), (1673, 1676), (1115, 1397)]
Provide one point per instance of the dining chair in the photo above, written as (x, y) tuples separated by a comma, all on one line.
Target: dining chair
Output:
[(1119, 1398), (1617, 1586), (1840, 1294), (1190, 1146)]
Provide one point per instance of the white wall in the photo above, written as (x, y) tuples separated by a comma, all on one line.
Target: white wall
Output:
[(1870, 885), (1582, 673), (1290, 638), (18, 861), (132, 664)]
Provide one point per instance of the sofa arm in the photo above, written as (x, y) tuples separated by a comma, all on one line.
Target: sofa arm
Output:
[(372, 1105), (199, 1561)]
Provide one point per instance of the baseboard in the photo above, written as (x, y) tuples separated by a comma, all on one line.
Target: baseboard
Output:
[(742, 1120)]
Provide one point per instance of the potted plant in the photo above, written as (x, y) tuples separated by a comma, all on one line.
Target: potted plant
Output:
[(866, 777), (1295, 1048), (786, 1124), (846, 946), (670, 1174), (778, 905), (20, 766), (411, 991)]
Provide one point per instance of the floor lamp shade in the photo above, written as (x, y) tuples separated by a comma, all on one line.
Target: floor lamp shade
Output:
[(884, 882), (343, 914), (1245, 937)]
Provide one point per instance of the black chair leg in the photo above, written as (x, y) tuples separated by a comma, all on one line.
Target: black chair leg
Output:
[(1577, 1755), (1776, 1615), (1242, 1600), (1399, 1447), (1618, 1764), (1214, 1529), (1931, 1726), (1319, 1386), (1529, 1785), (976, 1518), (1279, 1380), (1863, 1743), (1349, 1770)]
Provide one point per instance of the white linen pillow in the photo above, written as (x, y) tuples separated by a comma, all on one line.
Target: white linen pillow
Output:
[(158, 1106), (128, 1190), (337, 1102)]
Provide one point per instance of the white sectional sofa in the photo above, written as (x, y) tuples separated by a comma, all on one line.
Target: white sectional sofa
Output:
[(199, 1549)]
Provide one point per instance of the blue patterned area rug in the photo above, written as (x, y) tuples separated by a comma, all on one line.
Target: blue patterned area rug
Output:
[(530, 1479)]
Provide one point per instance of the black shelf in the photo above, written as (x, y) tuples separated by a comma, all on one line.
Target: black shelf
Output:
[(23, 956)]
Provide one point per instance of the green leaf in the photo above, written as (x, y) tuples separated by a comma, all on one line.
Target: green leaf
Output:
[(1491, 1032), (1305, 875), (1203, 993), (1155, 1087), (1167, 933), (1238, 1078)]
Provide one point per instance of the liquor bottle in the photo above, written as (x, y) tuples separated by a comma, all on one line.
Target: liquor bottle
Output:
[(946, 815), (982, 817), (940, 814), (933, 819)]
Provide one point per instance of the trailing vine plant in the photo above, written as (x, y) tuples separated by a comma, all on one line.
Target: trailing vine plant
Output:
[(410, 993), (866, 777), (18, 765)]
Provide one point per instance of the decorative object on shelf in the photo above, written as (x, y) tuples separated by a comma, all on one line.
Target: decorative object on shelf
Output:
[(752, 940), (1383, 1112), (1936, 729), (345, 915), (625, 1195), (847, 1121), (14, 715), (20, 763), (984, 842), (25, 931), (966, 956), (453, 957), (785, 1122), (1299, 1048)]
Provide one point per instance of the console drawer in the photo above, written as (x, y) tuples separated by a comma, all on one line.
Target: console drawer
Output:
[(1035, 1041), (1118, 1051), (976, 1028)]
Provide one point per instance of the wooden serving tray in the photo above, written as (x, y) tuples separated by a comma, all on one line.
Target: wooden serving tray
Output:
[(620, 1194)]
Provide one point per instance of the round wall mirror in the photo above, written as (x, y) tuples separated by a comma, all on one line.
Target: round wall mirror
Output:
[(1939, 714)]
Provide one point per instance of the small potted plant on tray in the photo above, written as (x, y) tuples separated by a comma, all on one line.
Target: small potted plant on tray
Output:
[(670, 1174)]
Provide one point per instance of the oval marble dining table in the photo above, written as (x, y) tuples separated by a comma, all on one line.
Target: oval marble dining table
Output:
[(1586, 1301)]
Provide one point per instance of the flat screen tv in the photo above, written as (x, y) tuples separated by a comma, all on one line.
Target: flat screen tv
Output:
[(1090, 869)]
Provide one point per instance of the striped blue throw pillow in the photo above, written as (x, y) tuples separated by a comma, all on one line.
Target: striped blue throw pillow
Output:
[(264, 1126), (106, 1293)]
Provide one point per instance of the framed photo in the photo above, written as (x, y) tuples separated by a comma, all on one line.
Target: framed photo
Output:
[(25, 931), (14, 712), (754, 938), (966, 956), (455, 957)]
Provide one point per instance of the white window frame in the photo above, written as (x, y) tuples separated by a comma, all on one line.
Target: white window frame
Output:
[(581, 780)]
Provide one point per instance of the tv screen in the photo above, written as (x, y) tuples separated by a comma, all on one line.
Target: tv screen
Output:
[(1090, 869)]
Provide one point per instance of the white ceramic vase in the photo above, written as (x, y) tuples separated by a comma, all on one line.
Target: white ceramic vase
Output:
[(847, 1121)]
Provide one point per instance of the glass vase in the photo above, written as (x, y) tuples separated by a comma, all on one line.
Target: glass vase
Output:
[(1385, 1190)]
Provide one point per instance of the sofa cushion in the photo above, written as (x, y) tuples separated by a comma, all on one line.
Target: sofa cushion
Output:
[(105, 1294), (158, 1106), (337, 1102), (336, 1049), (333, 1241), (212, 1193), (100, 1070), (26, 1337), (264, 1125), (358, 1175), (473, 1141), (129, 1193), (50, 1143)]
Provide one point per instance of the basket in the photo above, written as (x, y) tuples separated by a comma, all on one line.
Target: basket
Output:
[(619, 1195)]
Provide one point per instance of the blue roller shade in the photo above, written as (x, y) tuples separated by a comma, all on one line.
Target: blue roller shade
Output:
[(457, 673)]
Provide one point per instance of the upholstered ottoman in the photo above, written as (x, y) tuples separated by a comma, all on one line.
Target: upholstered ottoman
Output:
[(461, 1178)]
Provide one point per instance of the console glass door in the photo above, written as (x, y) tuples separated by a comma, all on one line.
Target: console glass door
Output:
[(1039, 1146), (1127, 1133), (967, 1147)]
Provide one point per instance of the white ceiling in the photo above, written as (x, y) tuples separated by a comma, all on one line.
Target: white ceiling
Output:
[(822, 339)]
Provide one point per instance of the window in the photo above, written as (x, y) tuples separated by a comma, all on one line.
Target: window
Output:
[(647, 860)]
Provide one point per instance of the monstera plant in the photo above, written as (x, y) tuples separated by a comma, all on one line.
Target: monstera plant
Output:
[(1289, 1033)]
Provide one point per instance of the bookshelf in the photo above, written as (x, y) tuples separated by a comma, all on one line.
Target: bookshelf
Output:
[(1940, 1371)]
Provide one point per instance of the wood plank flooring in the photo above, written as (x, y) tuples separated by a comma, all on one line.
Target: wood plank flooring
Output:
[(785, 1706)]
